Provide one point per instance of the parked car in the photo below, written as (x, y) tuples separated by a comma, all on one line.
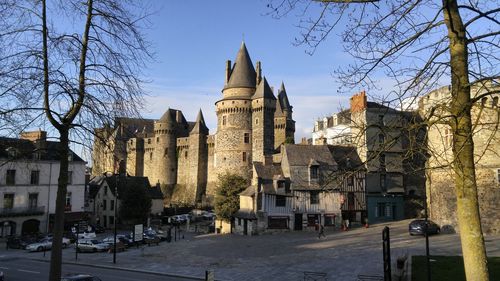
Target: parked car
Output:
[(1, 276), (46, 244), (150, 239), (208, 216), (20, 242), (417, 227), (80, 277), (159, 233), (97, 228), (178, 219), (87, 235), (91, 245)]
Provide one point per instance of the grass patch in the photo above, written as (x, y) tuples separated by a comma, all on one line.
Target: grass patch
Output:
[(448, 268)]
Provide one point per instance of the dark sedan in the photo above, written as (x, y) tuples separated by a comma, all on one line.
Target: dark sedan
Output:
[(417, 227), (80, 277)]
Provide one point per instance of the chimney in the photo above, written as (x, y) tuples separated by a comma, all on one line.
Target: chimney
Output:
[(228, 71), (358, 102), (258, 70), (34, 136)]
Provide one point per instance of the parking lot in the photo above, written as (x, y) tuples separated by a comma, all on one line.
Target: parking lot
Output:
[(281, 256)]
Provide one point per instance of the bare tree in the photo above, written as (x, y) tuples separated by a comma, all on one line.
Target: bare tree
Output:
[(75, 65), (418, 44)]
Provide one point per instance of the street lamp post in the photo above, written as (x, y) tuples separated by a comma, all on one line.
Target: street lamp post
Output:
[(115, 205), (116, 219)]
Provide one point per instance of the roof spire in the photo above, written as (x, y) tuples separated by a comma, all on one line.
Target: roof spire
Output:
[(199, 126), (243, 74), (283, 98), (263, 90)]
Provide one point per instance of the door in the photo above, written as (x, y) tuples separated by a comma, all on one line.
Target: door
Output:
[(298, 222), (245, 226)]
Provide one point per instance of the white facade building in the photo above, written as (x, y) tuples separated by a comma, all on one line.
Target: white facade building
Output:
[(29, 172)]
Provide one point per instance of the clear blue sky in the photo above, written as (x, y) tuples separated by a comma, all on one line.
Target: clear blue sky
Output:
[(193, 40)]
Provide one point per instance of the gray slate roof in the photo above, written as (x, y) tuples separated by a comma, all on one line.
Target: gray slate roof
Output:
[(25, 149), (199, 125), (243, 73), (301, 155), (263, 91)]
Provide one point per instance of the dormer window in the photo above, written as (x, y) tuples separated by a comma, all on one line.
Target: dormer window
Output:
[(314, 172)]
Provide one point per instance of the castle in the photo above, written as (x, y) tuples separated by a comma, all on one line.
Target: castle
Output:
[(182, 157)]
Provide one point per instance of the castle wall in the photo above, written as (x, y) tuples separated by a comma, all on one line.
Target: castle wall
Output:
[(441, 196)]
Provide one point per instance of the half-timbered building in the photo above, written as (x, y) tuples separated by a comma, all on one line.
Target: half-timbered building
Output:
[(310, 186)]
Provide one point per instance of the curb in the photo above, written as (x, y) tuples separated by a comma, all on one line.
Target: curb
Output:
[(126, 269)]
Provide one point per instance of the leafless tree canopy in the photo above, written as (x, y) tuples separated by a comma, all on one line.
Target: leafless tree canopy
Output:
[(405, 41), (117, 54)]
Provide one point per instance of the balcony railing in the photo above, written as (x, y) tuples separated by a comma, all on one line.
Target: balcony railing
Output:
[(22, 211)]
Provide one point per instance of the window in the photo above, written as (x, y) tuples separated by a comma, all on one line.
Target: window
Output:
[(11, 177), (104, 205), (151, 156), (112, 205), (8, 200), (448, 137), (166, 151), (314, 197), (105, 221), (329, 219), (256, 121), (33, 200), (35, 177), (314, 172), (383, 182), (111, 220), (280, 201), (277, 222), (224, 120), (244, 156), (246, 138), (380, 210), (350, 180), (157, 139), (70, 177), (312, 219), (381, 120), (281, 184), (381, 159), (185, 154), (498, 175), (68, 202), (149, 141), (239, 221), (381, 139)]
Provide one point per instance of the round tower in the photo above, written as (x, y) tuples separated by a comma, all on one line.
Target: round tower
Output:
[(165, 159), (233, 139)]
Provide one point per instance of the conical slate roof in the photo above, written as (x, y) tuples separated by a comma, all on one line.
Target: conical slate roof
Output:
[(167, 116), (263, 91), (283, 98), (243, 74), (200, 126)]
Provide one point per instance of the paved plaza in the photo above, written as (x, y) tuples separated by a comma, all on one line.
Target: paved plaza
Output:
[(281, 256)]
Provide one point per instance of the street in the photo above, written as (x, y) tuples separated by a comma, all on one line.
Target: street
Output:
[(342, 255), (20, 269)]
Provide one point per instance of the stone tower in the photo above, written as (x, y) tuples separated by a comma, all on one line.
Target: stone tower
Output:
[(164, 156), (233, 145), (284, 125), (198, 158), (263, 107)]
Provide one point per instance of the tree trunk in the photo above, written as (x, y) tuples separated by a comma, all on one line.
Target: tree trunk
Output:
[(57, 231), (469, 222)]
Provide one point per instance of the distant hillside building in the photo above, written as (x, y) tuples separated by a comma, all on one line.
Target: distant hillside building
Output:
[(440, 186), (29, 172), (182, 156)]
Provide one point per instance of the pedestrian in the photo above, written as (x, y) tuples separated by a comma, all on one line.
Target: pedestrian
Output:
[(321, 232), (347, 224)]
